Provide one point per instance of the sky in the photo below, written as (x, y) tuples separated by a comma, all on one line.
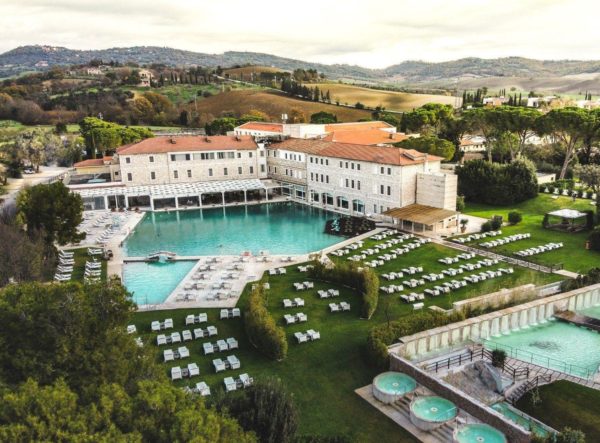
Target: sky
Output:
[(370, 33)]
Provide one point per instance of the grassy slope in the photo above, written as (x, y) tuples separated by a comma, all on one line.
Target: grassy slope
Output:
[(573, 255), (234, 73), (271, 103), (567, 404), (323, 375), (391, 100)]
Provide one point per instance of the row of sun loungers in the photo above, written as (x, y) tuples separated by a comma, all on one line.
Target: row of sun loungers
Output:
[(291, 319), (220, 346), (64, 270), (310, 335), (572, 193), (192, 370), (230, 313), (230, 362), (539, 249), (304, 268), (505, 240), (244, 381), (478, 236), (451, 260), (304, 285), (342, 306), (328, 293), (287, 303), (93, 271), (264, 285), (277, 271), (177, 354), (161, 325), (176, 337)]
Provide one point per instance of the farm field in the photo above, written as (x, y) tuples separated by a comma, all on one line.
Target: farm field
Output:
[(247, 71), (271, 103), (391, 100), (323, 374), (573, 255)]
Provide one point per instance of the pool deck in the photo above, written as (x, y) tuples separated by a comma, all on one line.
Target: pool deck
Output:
[(251, 270)]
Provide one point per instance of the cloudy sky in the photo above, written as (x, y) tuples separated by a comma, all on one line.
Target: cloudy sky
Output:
[(372, 33)]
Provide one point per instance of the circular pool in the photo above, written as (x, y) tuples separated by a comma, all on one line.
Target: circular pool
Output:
[(478, 433), (389, 387), (429, 413)]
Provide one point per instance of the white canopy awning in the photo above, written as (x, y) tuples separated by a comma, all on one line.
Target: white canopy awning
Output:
[(175, 190), (568, 213)]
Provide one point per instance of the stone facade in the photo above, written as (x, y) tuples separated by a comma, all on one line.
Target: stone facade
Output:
[(437, 189)]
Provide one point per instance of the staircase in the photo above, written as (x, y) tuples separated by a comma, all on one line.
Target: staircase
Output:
[(443, 434)]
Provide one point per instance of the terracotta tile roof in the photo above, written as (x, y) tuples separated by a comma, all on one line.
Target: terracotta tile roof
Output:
[(357, 126), (374, 154), (159, 145), (262, 126), (365, 137), (92, 162)]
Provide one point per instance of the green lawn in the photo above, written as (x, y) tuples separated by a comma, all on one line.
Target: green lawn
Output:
[(323, 375), (81, 256), (573, 255), (566, 404)]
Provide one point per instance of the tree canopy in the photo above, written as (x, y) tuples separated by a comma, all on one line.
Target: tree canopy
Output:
[(52, 209), (323, 117), (101, 137), (431, 145)]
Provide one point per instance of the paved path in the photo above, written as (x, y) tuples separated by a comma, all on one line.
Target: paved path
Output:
[(46, 175)]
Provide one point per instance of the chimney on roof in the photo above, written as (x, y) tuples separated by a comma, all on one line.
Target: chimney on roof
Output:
[(391, 136), (237, 138), (172, 140), (207, 139)]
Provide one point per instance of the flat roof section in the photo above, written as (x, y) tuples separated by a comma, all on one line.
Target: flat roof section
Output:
[(425, 215)]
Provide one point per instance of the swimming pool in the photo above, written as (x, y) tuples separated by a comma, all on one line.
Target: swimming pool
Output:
[(554, 344), (151, 283), (521, 419), (280, 228)]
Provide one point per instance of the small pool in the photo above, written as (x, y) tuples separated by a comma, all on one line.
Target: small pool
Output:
[(555, 345), (389, 387), (521, 419), (591, 312), (428, 413), (151, 283), (478, 433), (280, 228)]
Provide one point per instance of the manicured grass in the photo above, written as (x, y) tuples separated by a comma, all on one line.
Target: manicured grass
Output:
[(323, 374), (573, 255), (566, 404)]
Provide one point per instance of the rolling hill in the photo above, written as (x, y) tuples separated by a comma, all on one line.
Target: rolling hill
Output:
[(273, 104)]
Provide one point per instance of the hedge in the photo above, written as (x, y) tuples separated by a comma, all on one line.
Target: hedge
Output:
[(382, 336), (365, 282), (261, 328), (497, 184)]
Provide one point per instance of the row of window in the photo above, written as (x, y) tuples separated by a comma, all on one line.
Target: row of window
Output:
[(315, 178), (227, 155), (322, 161), (350, 165), (210, 172)]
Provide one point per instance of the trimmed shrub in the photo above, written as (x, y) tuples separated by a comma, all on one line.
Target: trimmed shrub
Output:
[(487, 226), (497, 184), (364, 282), (261, 328), (496, 222), (380, 337), (594, 239), (460, 203), (514, 217), (498, 358), (591, 278)]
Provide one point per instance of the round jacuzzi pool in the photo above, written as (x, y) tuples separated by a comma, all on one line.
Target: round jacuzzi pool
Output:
[(389, 387), (478, 433), (428, 413)]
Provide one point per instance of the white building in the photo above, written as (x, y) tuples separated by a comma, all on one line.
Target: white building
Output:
[(312, 130)]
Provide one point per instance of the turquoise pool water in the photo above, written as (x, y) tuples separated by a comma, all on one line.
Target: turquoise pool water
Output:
[(395, 383), (592, 312), (479, 433), (151, 283), (524, 422), (434, 409), (554, 345), (280, 228)]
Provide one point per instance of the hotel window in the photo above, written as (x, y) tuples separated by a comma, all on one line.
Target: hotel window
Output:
[(153, 175), (389, 171), (381, 189), (232, 155), (389, 189), (375, 209), (127, 159), (129, 178), (175, 174), (326, 162), (346, 165), (358, 166), (189, 173), (341, 164), (262, 153), (239, 170), (311, 159), (352, 184), (249, 154), (382, 170), (322, 178), (262, 168), (251, 169), (312, 179), (220, 155), (239, 155), (347, 183), (224, 171), (351, 165), (358, 185), (326, 179), (210, 174), (151, 158)]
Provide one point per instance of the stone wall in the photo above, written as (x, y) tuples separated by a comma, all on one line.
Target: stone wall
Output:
[(494, 323), (497, 299), (437, 189), (514, 433)]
